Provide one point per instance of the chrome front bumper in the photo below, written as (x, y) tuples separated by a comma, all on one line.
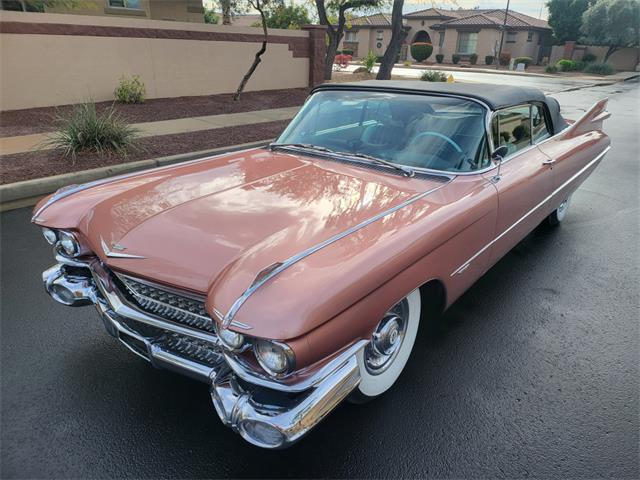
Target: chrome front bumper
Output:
[(266, 413)]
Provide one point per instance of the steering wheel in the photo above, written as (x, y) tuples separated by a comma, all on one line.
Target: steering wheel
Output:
[(447, 139)]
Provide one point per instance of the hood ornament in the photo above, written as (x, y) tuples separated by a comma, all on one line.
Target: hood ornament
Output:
[(116, 246)]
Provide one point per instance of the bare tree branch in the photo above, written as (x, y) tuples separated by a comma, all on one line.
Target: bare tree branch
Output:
[(258, 5)]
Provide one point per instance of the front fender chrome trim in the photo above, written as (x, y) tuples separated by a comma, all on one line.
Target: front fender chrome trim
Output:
[(466, 264), (281, 267)]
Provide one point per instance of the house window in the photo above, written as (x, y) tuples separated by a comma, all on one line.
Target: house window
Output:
[(511, 37), (351, 36), (379, 35), (441, 39), (530, 36), (467, 42), (133, 4)]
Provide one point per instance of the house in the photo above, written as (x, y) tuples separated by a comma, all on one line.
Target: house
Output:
[(175, 10), (461, 32)]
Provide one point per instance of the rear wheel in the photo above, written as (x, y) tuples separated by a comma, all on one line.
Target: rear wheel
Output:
[(382, 360), (559, 213)]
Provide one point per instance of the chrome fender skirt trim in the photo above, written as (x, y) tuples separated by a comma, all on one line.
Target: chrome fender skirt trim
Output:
[(466, 264)]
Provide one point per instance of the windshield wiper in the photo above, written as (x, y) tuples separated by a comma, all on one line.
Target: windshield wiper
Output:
[(307, 146), (406, 171)]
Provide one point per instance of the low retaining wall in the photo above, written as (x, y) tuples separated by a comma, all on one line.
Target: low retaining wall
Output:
[(624, 60), (56, 59)]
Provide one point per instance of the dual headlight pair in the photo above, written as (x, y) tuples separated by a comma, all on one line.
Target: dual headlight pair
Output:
[(275, 358), (67, 241)]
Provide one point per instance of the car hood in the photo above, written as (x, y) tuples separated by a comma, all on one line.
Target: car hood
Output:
[(212, 226)]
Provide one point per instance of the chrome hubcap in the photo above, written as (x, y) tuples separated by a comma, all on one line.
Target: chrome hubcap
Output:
[(387, 339)]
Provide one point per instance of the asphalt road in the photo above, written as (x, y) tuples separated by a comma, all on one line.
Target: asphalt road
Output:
[(536, 374)]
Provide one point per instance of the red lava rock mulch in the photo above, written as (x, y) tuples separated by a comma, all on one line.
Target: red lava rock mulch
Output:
[(37, 120), (25, 166)]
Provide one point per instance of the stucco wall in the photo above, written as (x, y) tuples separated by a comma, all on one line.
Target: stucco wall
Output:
[(173, 10), (61, 59), (625, 59)]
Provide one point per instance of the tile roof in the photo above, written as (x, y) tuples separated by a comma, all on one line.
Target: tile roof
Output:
[(480, 17), (375, 20)]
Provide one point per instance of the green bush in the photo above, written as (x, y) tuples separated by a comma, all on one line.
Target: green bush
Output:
[(369, 61), (407, 63), (433, 76), (346, 51), (504, 59), (421, 51), (570, 65), (83, 129), (599, 68), (551, 69), (526, 60), (473, 58), (439, 58), (130, 90), (488, 60), (589, 58), (455, 58)]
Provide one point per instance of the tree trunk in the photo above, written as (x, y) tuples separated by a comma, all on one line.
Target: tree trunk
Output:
[(259, 53), (226, 11), (398, 34), (330, 56), (610, 51)]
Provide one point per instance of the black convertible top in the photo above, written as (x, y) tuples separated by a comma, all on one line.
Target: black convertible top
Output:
[(495, 96)]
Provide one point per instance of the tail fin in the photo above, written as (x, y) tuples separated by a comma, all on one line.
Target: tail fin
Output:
[(592, 120)]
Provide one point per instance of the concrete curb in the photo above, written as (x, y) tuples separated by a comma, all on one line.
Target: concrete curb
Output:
[(28, 192)]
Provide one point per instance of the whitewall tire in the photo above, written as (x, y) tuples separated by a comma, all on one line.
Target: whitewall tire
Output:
[(382, 360), (559, 214)]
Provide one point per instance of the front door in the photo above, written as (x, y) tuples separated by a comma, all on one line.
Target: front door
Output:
[(525, 180)]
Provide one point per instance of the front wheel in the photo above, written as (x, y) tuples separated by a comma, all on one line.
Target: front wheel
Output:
[(559, 213), (382, 360)]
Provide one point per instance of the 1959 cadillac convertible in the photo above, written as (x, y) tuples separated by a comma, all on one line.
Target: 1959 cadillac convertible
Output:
[(294, 276)]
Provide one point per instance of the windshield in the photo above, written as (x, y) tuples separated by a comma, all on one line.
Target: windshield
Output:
[(440, 133)]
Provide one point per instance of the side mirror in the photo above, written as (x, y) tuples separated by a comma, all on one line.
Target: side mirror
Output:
[(499, 153)]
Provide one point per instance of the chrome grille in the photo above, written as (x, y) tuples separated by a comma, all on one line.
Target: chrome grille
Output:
[(196, 350), (168, 305)]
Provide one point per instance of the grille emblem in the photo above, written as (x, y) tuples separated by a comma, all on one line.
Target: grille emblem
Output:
[(116, 246)]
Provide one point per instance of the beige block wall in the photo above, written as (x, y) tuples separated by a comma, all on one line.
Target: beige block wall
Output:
[(624, 60), (45, 70)]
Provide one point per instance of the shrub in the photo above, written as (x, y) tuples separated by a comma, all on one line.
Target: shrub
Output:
[(83, 129), (439, 58), (473, 58), (504, 59), (130, 90), (526, 60), (455, 58), (570, 65), (589, 58), (361, 70), (407, 63), (488, 60), (551, 69), (369, 61), (346, 51), (599, 68), (421, 51), (433, 76)]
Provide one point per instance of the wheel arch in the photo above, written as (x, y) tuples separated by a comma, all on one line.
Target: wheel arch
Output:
[(433, 296)]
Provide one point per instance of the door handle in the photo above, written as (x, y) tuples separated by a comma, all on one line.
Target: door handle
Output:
[(551, 161)]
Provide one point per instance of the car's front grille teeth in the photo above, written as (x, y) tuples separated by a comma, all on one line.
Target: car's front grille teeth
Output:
[(168, 305), (194, 349)]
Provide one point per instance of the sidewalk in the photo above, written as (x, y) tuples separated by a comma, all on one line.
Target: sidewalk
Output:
[(29, 143)]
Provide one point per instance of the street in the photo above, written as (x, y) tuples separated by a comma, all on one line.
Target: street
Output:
[(537, 373)]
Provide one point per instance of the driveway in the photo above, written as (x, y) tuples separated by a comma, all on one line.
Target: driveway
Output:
[(536, 375)]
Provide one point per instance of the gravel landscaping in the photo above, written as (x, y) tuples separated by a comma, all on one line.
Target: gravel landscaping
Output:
[(45, 163), (38, 120)]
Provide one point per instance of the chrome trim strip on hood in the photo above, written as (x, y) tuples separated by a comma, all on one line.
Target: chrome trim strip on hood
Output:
[(281, 267)]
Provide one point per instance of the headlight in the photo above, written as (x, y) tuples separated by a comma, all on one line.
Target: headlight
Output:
[(276, 358), (69, 244), (50, 235), (230, 339)]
